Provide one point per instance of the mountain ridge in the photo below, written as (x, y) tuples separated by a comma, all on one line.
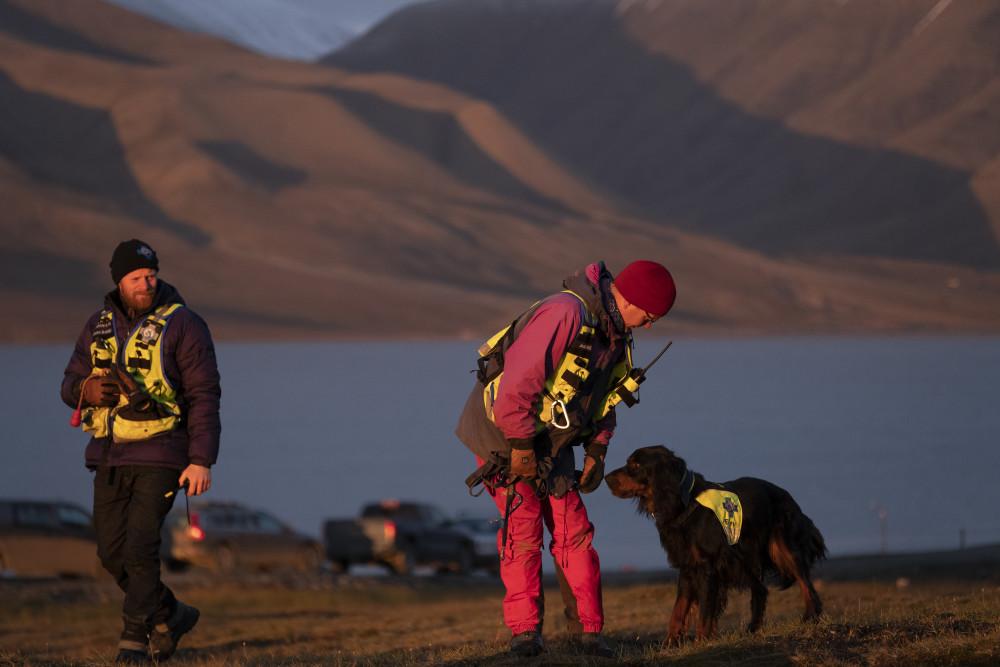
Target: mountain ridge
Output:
[(294, 201), (650, 102)]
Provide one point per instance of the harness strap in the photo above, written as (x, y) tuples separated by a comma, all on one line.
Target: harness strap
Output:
[(490, 475), (508, 510), (496, 353), (687, 485), (494, 474), (572, 379), (139, 362), (582, 342)]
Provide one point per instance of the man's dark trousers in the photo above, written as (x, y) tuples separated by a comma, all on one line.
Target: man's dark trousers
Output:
[(129, 510)]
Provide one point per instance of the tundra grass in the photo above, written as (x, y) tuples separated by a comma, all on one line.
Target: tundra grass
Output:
[(382, 622)]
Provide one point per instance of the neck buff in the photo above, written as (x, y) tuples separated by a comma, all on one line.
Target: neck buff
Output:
[(610, 305)]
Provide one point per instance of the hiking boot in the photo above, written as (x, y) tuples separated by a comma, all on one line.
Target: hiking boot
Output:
[(526, 645), (133, 644), (165, 636), (132, 652), (594, 643)]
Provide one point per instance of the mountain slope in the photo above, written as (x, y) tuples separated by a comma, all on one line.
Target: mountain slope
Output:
[(785, 126), (288, 200)]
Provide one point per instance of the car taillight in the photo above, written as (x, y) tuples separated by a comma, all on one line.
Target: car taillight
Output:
[(194, 530), (390, 530)]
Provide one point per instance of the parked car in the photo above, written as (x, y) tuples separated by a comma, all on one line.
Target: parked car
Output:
[(400, 536), (483, 534), (47, 539), (226, 536)]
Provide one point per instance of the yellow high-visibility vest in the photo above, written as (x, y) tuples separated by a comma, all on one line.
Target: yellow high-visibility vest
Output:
[(143, 361)]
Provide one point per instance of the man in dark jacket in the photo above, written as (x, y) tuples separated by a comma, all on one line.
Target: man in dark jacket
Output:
[(144, 380), (550, 383)]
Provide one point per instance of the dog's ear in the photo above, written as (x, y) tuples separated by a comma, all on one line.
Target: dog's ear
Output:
[(667, 467), (677, 464)]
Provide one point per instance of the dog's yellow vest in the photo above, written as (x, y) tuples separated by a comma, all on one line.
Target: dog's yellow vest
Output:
[(727, 508)]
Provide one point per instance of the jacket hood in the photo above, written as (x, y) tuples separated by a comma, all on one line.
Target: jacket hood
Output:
[(165, 294), (593, 284)]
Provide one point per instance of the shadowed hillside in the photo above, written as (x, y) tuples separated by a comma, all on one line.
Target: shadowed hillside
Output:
[(599, 85), (60, 143), (439, 137), (23, 24), (289, 200)]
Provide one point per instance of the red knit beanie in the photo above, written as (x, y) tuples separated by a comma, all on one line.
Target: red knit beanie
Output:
[(647, 285)]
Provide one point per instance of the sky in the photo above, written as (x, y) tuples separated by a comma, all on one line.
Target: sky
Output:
[(295, 29), (355, 15)]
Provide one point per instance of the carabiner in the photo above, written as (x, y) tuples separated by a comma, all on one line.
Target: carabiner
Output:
[(562, 406)]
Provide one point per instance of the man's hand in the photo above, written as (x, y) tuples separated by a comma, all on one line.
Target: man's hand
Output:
[(198, 478), (100, 391), (593, 468), (522, 458)]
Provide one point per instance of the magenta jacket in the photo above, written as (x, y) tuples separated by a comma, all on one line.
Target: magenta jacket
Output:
[(189, 363), (539, 345)]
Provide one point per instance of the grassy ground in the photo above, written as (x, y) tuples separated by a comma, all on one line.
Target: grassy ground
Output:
[(354, 621)]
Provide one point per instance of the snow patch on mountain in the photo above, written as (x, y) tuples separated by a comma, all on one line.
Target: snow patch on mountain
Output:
[(299, 30)]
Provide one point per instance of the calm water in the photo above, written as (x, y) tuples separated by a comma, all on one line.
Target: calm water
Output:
[(847, 425)]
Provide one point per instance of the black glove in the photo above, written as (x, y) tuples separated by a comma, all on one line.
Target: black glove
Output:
[(99, 391), (523, 462), (593, 467)]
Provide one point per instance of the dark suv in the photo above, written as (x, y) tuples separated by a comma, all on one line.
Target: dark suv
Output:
[(228, 536), (40, 538), (399, 535)]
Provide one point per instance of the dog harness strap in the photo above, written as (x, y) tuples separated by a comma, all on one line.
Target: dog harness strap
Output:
[(687, 485)]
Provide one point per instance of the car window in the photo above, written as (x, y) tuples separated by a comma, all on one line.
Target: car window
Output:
[(35, 514), (268, 524), (485, 526), (435, 517), (73, 516), (409, 513), (249, 523), (6, 514), (221, 520)]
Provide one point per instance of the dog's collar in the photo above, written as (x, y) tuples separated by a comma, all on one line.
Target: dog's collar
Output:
[(687, 485)]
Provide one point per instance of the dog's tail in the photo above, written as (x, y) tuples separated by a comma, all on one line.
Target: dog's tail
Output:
[(799, 534)]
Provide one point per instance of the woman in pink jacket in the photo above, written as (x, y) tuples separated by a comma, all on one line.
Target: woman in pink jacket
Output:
[(515, 413)]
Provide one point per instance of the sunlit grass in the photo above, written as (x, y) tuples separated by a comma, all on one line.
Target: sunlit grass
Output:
[(394, 622)]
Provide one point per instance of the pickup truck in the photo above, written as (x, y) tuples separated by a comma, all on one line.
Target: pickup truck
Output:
[(399, 536)]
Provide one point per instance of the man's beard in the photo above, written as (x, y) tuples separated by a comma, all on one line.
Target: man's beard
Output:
[(139, 302)]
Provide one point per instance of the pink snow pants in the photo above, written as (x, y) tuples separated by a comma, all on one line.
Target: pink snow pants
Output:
[(577, 564)]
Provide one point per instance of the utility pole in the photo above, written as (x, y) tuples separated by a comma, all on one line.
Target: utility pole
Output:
[(883, 526)]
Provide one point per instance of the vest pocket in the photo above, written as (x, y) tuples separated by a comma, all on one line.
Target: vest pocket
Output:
[(131, 424)]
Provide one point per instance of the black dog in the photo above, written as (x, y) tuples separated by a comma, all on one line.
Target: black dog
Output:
[(776, 538)]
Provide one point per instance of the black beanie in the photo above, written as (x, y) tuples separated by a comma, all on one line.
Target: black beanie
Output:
[(132, 255)]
